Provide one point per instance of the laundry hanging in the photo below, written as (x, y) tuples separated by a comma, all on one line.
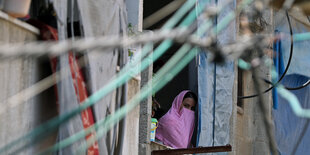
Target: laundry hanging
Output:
[(102, 17), (70, 91)]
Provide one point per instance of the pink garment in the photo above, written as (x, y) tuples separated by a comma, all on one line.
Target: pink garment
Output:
[(176, 127)]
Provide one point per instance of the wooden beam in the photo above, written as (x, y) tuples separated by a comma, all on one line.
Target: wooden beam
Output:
[(226, 148)]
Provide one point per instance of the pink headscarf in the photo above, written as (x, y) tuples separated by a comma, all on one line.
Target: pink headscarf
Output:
[(176, 127)]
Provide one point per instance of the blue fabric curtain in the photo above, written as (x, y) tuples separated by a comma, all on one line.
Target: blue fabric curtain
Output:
[(288, 127), (215, 85)]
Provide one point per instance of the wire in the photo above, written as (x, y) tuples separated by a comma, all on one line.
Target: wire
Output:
[(287, 66), (294, 88), (49, 81), (131, 105), (162, 13), (167, 73), (300, 87), (101, 93), (157, 85), (124, 76), (214, 86), (54, 48), (291, 98), (291, 88)]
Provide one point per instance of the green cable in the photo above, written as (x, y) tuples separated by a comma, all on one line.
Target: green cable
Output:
[(230, 16), (55, 122), (290, 97), (82, 134), (243, 64), (165, 75), (301, 36), (179, 14), (293, 101), (169, 25), (91, 100), (70, 140), (286, 94), (225, 22), (103, 123)]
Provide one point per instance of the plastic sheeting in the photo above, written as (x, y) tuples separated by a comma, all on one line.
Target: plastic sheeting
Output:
[(301, 54), (102, 17), (215, 87), (288, 127)]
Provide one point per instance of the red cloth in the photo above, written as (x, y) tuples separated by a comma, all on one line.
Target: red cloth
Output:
[(50, 33)]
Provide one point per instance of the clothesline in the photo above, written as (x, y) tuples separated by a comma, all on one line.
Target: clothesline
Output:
[(157, 84), (169, 42), (124, 75), (82, 45), (35, 89)]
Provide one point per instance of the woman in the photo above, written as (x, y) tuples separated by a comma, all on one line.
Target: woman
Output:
[(176, 127)]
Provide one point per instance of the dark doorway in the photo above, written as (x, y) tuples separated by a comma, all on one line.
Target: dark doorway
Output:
[(187, 78)]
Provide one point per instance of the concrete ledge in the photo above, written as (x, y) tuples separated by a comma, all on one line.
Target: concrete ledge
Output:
[(158, 146), (19, 23)]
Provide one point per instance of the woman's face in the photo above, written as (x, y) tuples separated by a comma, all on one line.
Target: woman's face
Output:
[(189, 103)]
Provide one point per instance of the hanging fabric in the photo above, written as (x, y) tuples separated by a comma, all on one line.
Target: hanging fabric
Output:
[(49, 33), (71, 91), (67, 99), (102, 17), (215, 98), (292, 132)]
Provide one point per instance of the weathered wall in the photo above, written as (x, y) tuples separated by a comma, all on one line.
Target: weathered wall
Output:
[(145, 115), (249, 136), (131, 139), (140, 118), (16, 75)]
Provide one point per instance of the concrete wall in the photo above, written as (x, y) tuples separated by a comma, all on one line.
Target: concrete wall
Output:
[(249, 135), (17, 74), (145, 115), (248, 129), (140, 118), (131, 139)]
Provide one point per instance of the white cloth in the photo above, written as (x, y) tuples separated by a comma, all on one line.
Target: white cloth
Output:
[(102, 17)]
